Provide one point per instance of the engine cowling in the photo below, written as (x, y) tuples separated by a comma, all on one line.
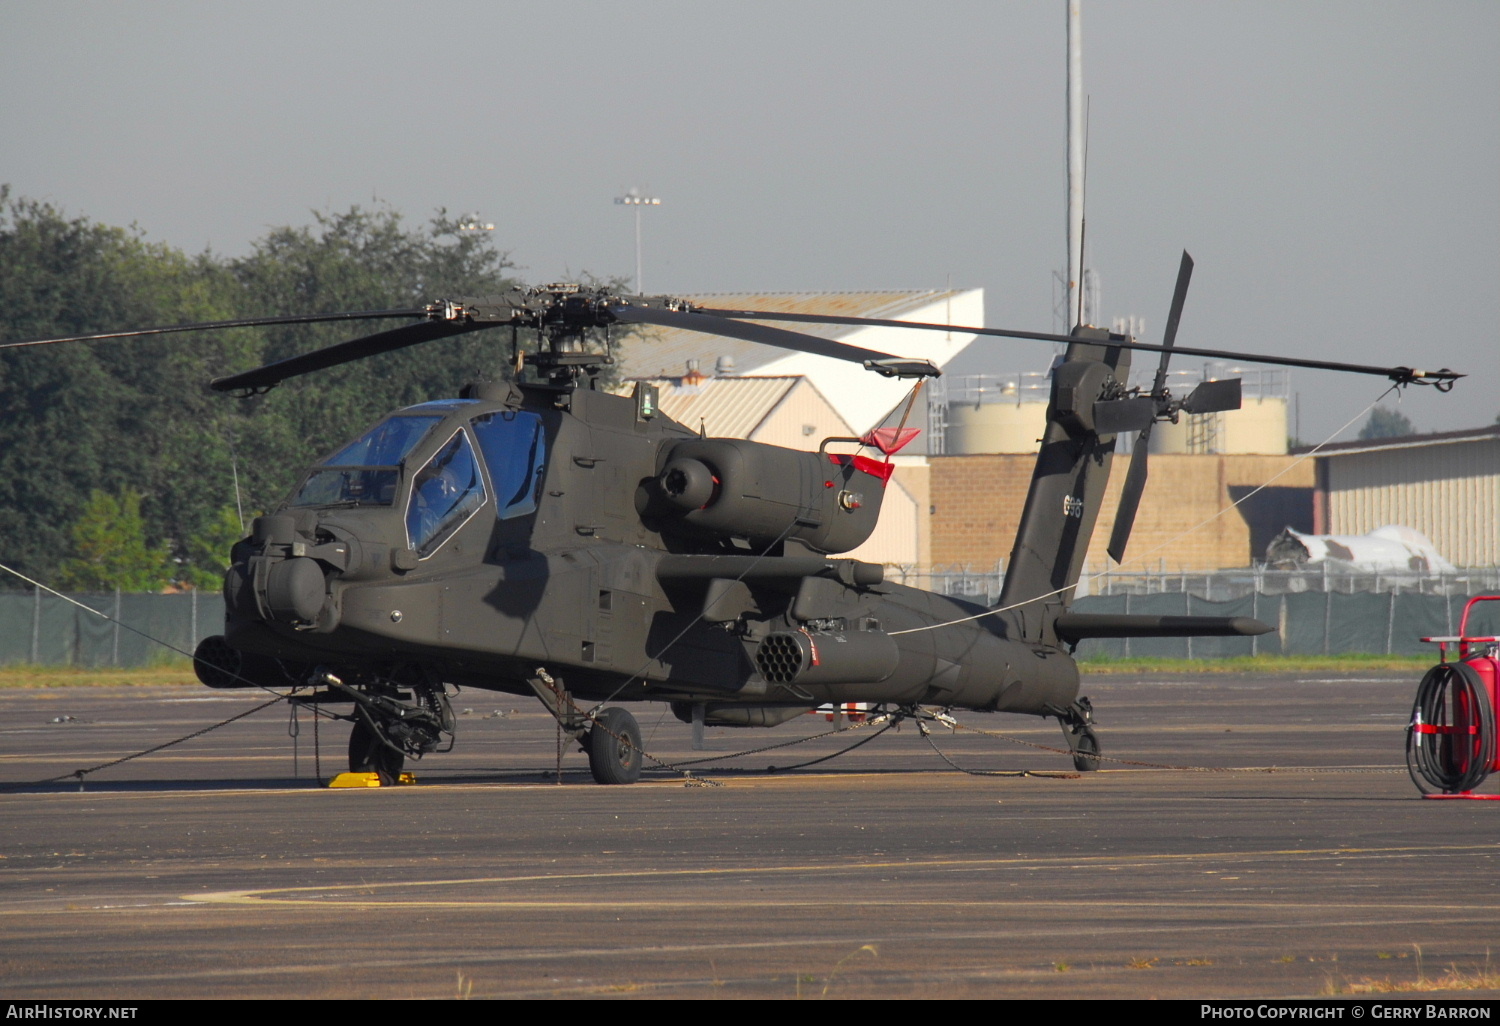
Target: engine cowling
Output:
[(763, 493)]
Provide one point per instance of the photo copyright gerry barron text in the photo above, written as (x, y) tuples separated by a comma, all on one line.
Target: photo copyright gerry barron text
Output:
[(1346, 1010)]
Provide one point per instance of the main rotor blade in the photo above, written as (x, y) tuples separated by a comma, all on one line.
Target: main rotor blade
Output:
[(243, 322), (1130, 497), (1398, 374), (779, 337), (356, 349)]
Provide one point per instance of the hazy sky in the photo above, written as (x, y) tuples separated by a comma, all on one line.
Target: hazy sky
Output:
[(1334, 168)]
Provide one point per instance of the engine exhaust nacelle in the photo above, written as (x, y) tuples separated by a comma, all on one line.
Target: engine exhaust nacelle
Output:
[(763, 493)]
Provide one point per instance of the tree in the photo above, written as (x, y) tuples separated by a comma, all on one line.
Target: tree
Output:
[(79, 417), (110, 550), (134, 414), (207, 553), (357, 260), (1384, 423)]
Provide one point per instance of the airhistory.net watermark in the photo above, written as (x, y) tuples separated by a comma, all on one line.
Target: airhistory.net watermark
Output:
[(69, 1011)]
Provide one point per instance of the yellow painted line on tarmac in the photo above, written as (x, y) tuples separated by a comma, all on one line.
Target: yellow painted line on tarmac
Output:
[(1479, 913), (270, 895)]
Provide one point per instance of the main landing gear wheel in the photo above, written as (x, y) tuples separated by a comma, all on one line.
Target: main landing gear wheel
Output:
[(614, 747), (369, 754)]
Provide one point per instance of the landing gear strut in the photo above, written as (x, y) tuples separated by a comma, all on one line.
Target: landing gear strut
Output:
[(1078, 727), (611, 738), (391, 721), (369, 754)]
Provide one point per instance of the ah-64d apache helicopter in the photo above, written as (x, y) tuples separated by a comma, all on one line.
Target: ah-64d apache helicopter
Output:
[(552, 539)]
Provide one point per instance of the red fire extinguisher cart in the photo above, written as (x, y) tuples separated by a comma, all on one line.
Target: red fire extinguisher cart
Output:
[(1450, 743)]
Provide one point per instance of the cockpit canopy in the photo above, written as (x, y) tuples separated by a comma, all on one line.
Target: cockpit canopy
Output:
[(366, 471), (449, 488)]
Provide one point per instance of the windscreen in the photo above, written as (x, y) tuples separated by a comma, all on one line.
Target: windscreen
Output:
[(384, 445), (366, 471)]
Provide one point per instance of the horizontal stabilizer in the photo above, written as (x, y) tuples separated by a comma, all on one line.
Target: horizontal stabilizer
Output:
[(1072, 627), (1114, 416)]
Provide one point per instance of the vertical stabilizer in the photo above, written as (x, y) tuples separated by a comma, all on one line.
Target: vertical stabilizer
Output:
[(1067, 486)]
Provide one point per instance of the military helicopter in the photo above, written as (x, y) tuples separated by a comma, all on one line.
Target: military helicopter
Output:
[(545, 537)]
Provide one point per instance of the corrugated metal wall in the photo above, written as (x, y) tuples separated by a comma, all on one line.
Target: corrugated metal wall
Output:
[(1451, 493)]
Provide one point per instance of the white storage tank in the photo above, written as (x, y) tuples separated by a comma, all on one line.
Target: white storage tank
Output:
[(1259, 426), (996, 427), (989, 413)]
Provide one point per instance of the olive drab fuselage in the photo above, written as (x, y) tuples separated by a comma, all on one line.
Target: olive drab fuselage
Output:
[(632, 558)]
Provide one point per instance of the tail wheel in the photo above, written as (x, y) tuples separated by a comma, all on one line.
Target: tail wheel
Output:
[(1077, 725), (614, 747), (1085, 747), (369, 754)]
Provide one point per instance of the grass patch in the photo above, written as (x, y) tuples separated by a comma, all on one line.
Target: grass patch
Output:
[(1350, 663), (179, 671), (1453, 978)]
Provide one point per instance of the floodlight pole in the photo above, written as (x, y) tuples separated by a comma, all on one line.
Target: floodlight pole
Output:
[(633, 198), (1075, 163)]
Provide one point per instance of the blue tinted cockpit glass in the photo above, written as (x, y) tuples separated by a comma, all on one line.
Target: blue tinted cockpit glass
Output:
[(384, 445), (515, 450), (348, 486), (445, 493), (365, 472)]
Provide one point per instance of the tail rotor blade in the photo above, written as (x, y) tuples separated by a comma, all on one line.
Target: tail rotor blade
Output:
[(1214, 397), (1130, 499), (1135, 477), (1179, 297)]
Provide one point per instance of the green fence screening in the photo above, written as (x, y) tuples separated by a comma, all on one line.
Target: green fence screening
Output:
[(50, 631), (43, 629), (1307, 623)]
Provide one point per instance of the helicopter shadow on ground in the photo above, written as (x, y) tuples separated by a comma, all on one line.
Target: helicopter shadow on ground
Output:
[(522, 776)]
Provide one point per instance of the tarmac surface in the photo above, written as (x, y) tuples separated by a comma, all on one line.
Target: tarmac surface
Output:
[(219, 867)]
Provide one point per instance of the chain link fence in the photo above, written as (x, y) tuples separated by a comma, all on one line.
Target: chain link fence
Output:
[(45, 630), (983, 584), (1314, 613)]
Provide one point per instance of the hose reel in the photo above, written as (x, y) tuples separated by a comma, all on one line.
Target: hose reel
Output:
[(1450, 741)]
